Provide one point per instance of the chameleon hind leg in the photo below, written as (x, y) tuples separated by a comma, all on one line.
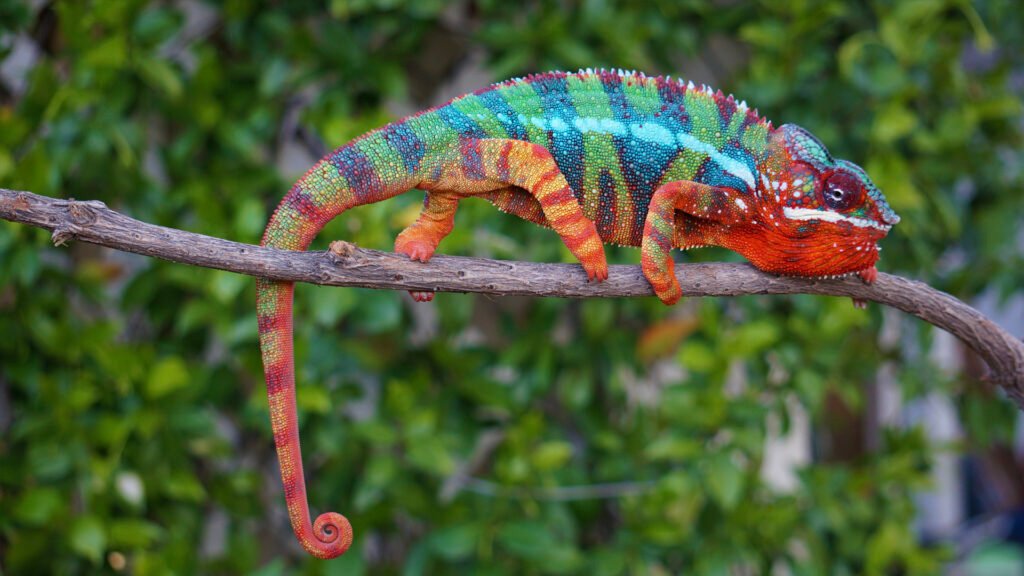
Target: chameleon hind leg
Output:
[(420, 239), (437, 219), (706, 210), (518, 202), (488, 167)]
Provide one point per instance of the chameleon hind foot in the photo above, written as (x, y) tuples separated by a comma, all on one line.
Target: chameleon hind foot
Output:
[(420, 239), (418, 251)]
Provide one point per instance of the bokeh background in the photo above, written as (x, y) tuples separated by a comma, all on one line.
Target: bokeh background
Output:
[(482, 435)]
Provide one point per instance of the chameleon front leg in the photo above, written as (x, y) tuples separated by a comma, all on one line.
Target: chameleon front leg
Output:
[(420, 239), (709, 205), (486, 167)]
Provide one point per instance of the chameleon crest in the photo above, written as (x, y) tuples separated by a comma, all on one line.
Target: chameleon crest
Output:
[(598, 157)]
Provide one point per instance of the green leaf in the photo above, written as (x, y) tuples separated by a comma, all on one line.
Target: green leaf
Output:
[(161, 76), (551, 455), (87, 538), (134, 533), (673, 448), (313, 399), (455, 542), (697, 356), (169, 374), (184, 486), (753, 337), (526, 539), (275, 567), (724, 480), (111, 52), (892, 122), (38, 505)]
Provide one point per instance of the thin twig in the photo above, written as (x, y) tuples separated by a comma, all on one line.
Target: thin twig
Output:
[(95, 223)]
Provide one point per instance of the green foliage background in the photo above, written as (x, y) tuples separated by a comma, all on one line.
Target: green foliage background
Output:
[(136, 431)]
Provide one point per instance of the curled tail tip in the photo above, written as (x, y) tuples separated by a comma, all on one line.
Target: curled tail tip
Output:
[(332, 536)]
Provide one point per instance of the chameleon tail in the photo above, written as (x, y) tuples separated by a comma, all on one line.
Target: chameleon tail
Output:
[(322, 194)]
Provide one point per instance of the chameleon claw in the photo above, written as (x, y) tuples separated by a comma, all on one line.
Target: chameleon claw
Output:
[(672, 296), (596, 272), (416, 250), (868, 275), (668, 291), (599, 275), (421, 296)]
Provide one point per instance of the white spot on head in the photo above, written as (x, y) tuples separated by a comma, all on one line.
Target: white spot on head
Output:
[(740, 203)]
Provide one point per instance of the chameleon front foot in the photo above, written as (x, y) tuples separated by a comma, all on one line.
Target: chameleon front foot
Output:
[(421, 296), (663, 281), (868, 275)]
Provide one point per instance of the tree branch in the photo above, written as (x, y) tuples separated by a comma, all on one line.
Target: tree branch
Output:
[(347, 265)]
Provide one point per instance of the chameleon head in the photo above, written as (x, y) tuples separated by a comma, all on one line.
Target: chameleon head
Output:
[(819, 216)]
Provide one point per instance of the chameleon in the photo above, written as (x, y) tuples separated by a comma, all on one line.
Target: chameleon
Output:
[(604, 156)]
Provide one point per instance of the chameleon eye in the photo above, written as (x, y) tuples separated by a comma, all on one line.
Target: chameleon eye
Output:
[(842, 191)]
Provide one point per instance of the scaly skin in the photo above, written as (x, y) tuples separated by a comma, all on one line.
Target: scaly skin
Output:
[(598, 157)]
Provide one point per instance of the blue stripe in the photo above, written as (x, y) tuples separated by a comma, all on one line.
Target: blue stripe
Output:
[(509, 118), (459, 122), (409, 146), (565, 142)]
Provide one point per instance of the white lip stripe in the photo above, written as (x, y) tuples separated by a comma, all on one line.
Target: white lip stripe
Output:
[(811, 214)]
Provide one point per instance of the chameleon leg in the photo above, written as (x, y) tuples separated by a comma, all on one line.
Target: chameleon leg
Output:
[(489, 165), (712, 206), (421, 238), (518, 202)]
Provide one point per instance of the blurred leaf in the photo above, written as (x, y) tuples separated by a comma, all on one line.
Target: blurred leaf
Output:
[(551, 455), (168, 375), (87, 537), (38, 505), (161, 75), (526, 539), (724, 480), (455, 542), (662, 339)]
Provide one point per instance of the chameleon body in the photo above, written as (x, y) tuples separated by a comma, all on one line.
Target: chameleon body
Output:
[(598, 157)]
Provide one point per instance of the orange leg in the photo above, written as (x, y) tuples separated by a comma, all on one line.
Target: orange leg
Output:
[(488, 166), (420, 239), (715, 206)]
